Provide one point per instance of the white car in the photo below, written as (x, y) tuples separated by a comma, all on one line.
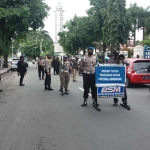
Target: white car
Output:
[(14, 64)]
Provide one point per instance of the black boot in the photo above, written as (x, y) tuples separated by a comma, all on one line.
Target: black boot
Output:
[(62, 92), (115, 104), (84, 103), (95, 103), (66, 91), (46, 88), (49, 88)]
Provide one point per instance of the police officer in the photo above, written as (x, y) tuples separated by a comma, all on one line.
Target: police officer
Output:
[(48, 74), (119, 59), (75, 68), (64, 74), (40, 66), (87, 64)]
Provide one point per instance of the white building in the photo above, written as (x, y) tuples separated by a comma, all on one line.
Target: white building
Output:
[(59, 21)]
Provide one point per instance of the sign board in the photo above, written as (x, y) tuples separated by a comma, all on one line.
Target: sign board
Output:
[(115, 91), (110, 80), (110, 75)]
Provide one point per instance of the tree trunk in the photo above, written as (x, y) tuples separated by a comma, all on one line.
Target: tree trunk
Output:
[(134, 36), (40, 47), (100, 46), (103, 54), (6, 61), (143, 32)]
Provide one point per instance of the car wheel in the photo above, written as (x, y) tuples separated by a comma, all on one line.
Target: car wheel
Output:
[(12, 69), (128, 84)]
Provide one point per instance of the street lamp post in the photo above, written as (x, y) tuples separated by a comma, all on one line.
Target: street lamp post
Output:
[(12, 41)]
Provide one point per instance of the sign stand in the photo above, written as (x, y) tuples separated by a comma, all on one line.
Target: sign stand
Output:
[(109, 81)]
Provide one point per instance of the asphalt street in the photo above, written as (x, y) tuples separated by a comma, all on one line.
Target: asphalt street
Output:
[(34, 119)]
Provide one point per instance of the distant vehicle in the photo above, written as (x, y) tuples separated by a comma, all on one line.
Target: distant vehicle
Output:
[(137, 71), (14, 64), (33, 61)]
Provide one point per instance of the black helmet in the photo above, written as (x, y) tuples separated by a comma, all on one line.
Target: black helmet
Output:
[(115, 53), (121, 57)]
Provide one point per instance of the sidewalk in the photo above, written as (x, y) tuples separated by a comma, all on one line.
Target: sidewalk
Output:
[(4, 71)]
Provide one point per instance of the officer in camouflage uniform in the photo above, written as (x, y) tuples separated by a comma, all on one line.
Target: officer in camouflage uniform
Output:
[(64, 75)]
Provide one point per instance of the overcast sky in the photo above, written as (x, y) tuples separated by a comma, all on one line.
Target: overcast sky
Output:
[(78, 7)]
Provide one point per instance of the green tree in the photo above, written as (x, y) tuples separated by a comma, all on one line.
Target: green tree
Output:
[(98, 12), (16, 17), (144, 20), (115, 27), (31, 45), (42, 36), (146, 41), (133, 13)]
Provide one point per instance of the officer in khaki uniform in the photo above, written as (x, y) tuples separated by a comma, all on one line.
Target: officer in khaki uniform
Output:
[(48, 74), (40, 66), (64, 74), (87, 64)]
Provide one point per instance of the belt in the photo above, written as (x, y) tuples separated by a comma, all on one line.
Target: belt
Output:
[(89, 72), (65, 71)]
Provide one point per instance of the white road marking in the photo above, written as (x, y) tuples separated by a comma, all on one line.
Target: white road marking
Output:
[(83, 90)]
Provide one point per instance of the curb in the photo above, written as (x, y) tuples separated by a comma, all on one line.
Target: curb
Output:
[(4, 73)]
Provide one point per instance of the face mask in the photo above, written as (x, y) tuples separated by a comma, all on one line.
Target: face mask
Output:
[(90, 53)]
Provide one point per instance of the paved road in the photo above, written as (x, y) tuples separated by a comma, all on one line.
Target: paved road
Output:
[(34, 119)]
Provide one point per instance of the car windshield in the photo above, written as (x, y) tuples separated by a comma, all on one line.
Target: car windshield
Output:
[(141, 66)]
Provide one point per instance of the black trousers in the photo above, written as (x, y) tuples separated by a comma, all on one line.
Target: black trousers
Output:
[(89, 82), (41, 70), (47, 80), (124, 100), (55, 70), (21, 77)]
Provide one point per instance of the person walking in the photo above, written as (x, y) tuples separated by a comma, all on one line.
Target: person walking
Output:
[(21, 70), (48, 74), (87, 64)]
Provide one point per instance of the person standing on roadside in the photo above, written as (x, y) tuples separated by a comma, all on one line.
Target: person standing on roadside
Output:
[(119, 59), (75, 68), (87, 64), (40, 66), (21, 70), (48, 74), (64, 75)]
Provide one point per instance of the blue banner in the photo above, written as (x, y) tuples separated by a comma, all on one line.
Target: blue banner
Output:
[(110, 74), (110, 91)]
